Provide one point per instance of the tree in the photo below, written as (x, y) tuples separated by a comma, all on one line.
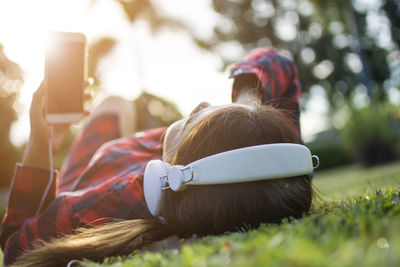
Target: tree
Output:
[(10, 83), (365, 44), (135, 10), (154, 111), (146, 10), (328, 40), (98, 50), (392, 9)]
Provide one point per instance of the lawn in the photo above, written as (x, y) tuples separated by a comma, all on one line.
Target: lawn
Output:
[(355, 221), (353, 180)]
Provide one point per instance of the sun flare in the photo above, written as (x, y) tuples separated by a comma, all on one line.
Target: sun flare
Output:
[(24, 31)]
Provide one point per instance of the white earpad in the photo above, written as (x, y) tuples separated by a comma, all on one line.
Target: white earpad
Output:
[(152, 184)]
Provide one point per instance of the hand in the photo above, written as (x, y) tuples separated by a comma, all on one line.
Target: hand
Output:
[(37, 152)]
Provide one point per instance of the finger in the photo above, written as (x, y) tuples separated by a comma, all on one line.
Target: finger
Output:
[(88, 82), (39, 93), (88, 95), (38, 99)]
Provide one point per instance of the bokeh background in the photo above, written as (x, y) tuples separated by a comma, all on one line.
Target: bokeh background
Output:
[(166, 56)]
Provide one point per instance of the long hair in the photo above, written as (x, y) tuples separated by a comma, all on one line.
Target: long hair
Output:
[(201, 209)]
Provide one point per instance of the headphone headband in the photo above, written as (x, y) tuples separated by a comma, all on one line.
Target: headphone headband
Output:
[(255, 163)]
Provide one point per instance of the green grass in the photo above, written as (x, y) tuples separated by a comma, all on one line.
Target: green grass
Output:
[(355, 221), (353, 180)]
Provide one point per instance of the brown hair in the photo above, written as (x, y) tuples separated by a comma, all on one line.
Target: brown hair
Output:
[(202, 209), (230, 206)]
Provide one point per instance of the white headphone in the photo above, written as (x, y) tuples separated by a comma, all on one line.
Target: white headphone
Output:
[(255, 163)]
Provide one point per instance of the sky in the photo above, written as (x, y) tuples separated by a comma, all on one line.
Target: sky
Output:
[(168, 64)]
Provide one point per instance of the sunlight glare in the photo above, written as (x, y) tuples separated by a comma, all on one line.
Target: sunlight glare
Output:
[(24, 27)]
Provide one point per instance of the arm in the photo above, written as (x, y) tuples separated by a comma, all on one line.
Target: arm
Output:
[(37, 152), (26, 191), (115, 198), (31, 177)]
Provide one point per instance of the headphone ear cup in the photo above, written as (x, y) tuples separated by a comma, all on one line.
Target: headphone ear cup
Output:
[(152, 185)]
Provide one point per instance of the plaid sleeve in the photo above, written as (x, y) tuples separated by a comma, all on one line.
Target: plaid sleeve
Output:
[(277, 74), (110, 188), (26, 191), (115, 198), (278, 77), (96, 132)]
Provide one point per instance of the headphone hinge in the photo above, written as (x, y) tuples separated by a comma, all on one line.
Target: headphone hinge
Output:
[(191, 177)]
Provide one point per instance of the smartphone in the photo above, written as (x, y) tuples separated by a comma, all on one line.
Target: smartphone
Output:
[(65, 74)]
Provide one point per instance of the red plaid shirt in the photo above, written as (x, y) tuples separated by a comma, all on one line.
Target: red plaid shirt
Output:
[(100, 180)]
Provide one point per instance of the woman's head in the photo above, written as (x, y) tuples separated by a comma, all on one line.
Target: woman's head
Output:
[(214, 209)]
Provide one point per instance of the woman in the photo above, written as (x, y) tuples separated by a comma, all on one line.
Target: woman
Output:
[(102, 181)]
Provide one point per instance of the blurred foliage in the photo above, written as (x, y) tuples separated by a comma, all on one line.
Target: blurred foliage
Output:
[(146, 10), (329, 40), (98, 50), (153, 111), (372, 134), (134, 10), (330, 149), (10, 83), (392, 9), (138, 10)]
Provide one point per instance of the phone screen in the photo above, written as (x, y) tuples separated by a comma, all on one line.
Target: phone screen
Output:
[(65, 70)]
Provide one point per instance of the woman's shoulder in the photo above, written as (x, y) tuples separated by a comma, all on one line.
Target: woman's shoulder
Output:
[(145, 141), (121, 157)]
